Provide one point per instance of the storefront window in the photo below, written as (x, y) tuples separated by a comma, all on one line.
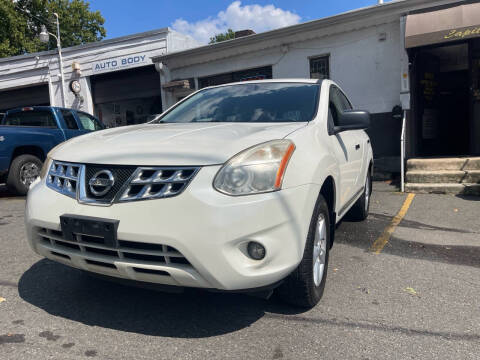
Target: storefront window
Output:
[(129, 112)]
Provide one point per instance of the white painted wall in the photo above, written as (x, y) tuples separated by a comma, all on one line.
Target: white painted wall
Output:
[(33, 69), (367, 69)]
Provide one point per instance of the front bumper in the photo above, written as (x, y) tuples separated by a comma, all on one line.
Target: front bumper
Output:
[(208, 229)]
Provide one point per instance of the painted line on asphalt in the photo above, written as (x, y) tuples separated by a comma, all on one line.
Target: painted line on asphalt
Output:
[(383, 239)]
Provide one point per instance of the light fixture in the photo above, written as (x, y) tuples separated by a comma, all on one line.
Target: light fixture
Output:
[(44, 36)]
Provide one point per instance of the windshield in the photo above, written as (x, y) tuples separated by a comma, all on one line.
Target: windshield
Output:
[(254, 102)]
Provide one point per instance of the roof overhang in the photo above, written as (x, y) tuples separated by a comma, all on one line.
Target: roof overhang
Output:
[(451, 24), (348, 21)]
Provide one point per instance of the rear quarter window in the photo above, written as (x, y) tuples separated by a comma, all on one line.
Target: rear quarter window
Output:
[(69, 120), (33, 118)]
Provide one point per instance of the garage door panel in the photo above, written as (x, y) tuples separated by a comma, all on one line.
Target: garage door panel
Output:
[(27, 96), (127, 84)]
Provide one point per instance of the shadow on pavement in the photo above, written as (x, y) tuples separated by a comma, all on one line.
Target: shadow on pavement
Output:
[(71, 294), (469, 197), (452, 254), (363, 234), (5, 193)]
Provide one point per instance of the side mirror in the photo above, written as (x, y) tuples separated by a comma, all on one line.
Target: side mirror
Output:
[(352, 120)]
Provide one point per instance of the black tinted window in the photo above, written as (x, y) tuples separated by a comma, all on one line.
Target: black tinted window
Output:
[(335, 106), (69, 120), (344, 101), (40, 118), (249, 102)]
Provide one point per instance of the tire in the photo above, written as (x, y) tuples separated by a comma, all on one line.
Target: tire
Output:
[(359, 210), (23, 171), (304, 288)]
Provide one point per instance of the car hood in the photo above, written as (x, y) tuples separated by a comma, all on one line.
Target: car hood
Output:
[(169, 144)]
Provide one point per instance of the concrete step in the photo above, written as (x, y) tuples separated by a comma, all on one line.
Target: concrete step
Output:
[(428, 188), (453, 163), (443, 176)]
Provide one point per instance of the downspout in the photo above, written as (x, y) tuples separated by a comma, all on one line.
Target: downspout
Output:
[(402, 151), (404, 98)]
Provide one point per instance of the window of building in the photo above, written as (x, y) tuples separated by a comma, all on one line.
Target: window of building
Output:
[(320, 67), (244, 75), (69, 120), (126, 97)]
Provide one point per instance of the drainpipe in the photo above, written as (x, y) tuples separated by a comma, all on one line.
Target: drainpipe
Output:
[(164, 78), (60, 62)]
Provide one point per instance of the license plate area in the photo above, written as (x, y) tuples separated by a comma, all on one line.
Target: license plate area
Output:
[(103, 230)]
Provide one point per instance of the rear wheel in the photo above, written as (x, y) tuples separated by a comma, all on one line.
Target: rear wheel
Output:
[(359, 210), (304, 287), (23, 171)]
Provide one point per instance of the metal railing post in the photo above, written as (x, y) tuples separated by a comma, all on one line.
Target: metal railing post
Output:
[(402, 151)]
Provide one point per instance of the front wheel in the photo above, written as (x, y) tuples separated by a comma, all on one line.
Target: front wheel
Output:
[(23, 171), (304, 287)]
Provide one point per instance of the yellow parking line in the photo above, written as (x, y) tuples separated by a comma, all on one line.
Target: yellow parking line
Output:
[(382, 240)]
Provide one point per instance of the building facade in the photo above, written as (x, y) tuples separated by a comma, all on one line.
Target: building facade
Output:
[(378, 59), (408, 62), (114, 79)]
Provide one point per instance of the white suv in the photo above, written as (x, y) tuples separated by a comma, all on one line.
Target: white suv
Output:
[(236, 187)]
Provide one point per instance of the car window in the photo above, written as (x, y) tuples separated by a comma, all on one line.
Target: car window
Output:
[(346, 105), (249, 102), (89, 122), (335, 106), (69, 120), (36, 118)]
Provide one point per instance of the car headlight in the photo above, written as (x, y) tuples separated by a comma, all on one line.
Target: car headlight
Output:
[(258, 169), (45, 167)]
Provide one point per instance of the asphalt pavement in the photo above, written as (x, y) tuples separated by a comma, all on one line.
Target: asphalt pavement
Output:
[(419, 297)]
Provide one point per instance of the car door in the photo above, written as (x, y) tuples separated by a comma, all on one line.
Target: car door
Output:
[(357, 158), (70, 124), (88, 122), (345, 148)]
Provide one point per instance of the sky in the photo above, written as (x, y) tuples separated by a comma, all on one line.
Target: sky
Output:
[(204, 18)]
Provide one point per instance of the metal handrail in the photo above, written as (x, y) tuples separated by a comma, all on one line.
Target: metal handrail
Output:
[(402, 151)]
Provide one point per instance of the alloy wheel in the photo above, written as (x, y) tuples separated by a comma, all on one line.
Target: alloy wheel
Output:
[(367, 193), (28, 173), (319, 250)]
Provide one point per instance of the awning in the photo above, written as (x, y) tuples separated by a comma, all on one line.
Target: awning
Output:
[(452, 24)]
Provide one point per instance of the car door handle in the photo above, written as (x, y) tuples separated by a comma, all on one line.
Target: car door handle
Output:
[(357, 146)]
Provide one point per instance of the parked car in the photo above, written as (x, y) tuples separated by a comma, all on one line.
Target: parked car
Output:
[(237, 187), (28, 134)]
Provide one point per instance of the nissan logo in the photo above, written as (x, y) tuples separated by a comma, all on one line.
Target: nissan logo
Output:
[(101, 182)]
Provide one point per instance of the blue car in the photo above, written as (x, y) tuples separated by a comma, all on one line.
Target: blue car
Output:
[(27, 135)]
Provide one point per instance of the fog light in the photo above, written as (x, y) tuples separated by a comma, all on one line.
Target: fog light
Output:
[(256, 250)]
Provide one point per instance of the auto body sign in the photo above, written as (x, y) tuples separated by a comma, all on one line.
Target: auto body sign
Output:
[(119, 63)]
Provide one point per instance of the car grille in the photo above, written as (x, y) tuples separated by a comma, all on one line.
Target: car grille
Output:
[(154, 183), (130, 183), (63, 177), (95, 252), (121, 175)]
